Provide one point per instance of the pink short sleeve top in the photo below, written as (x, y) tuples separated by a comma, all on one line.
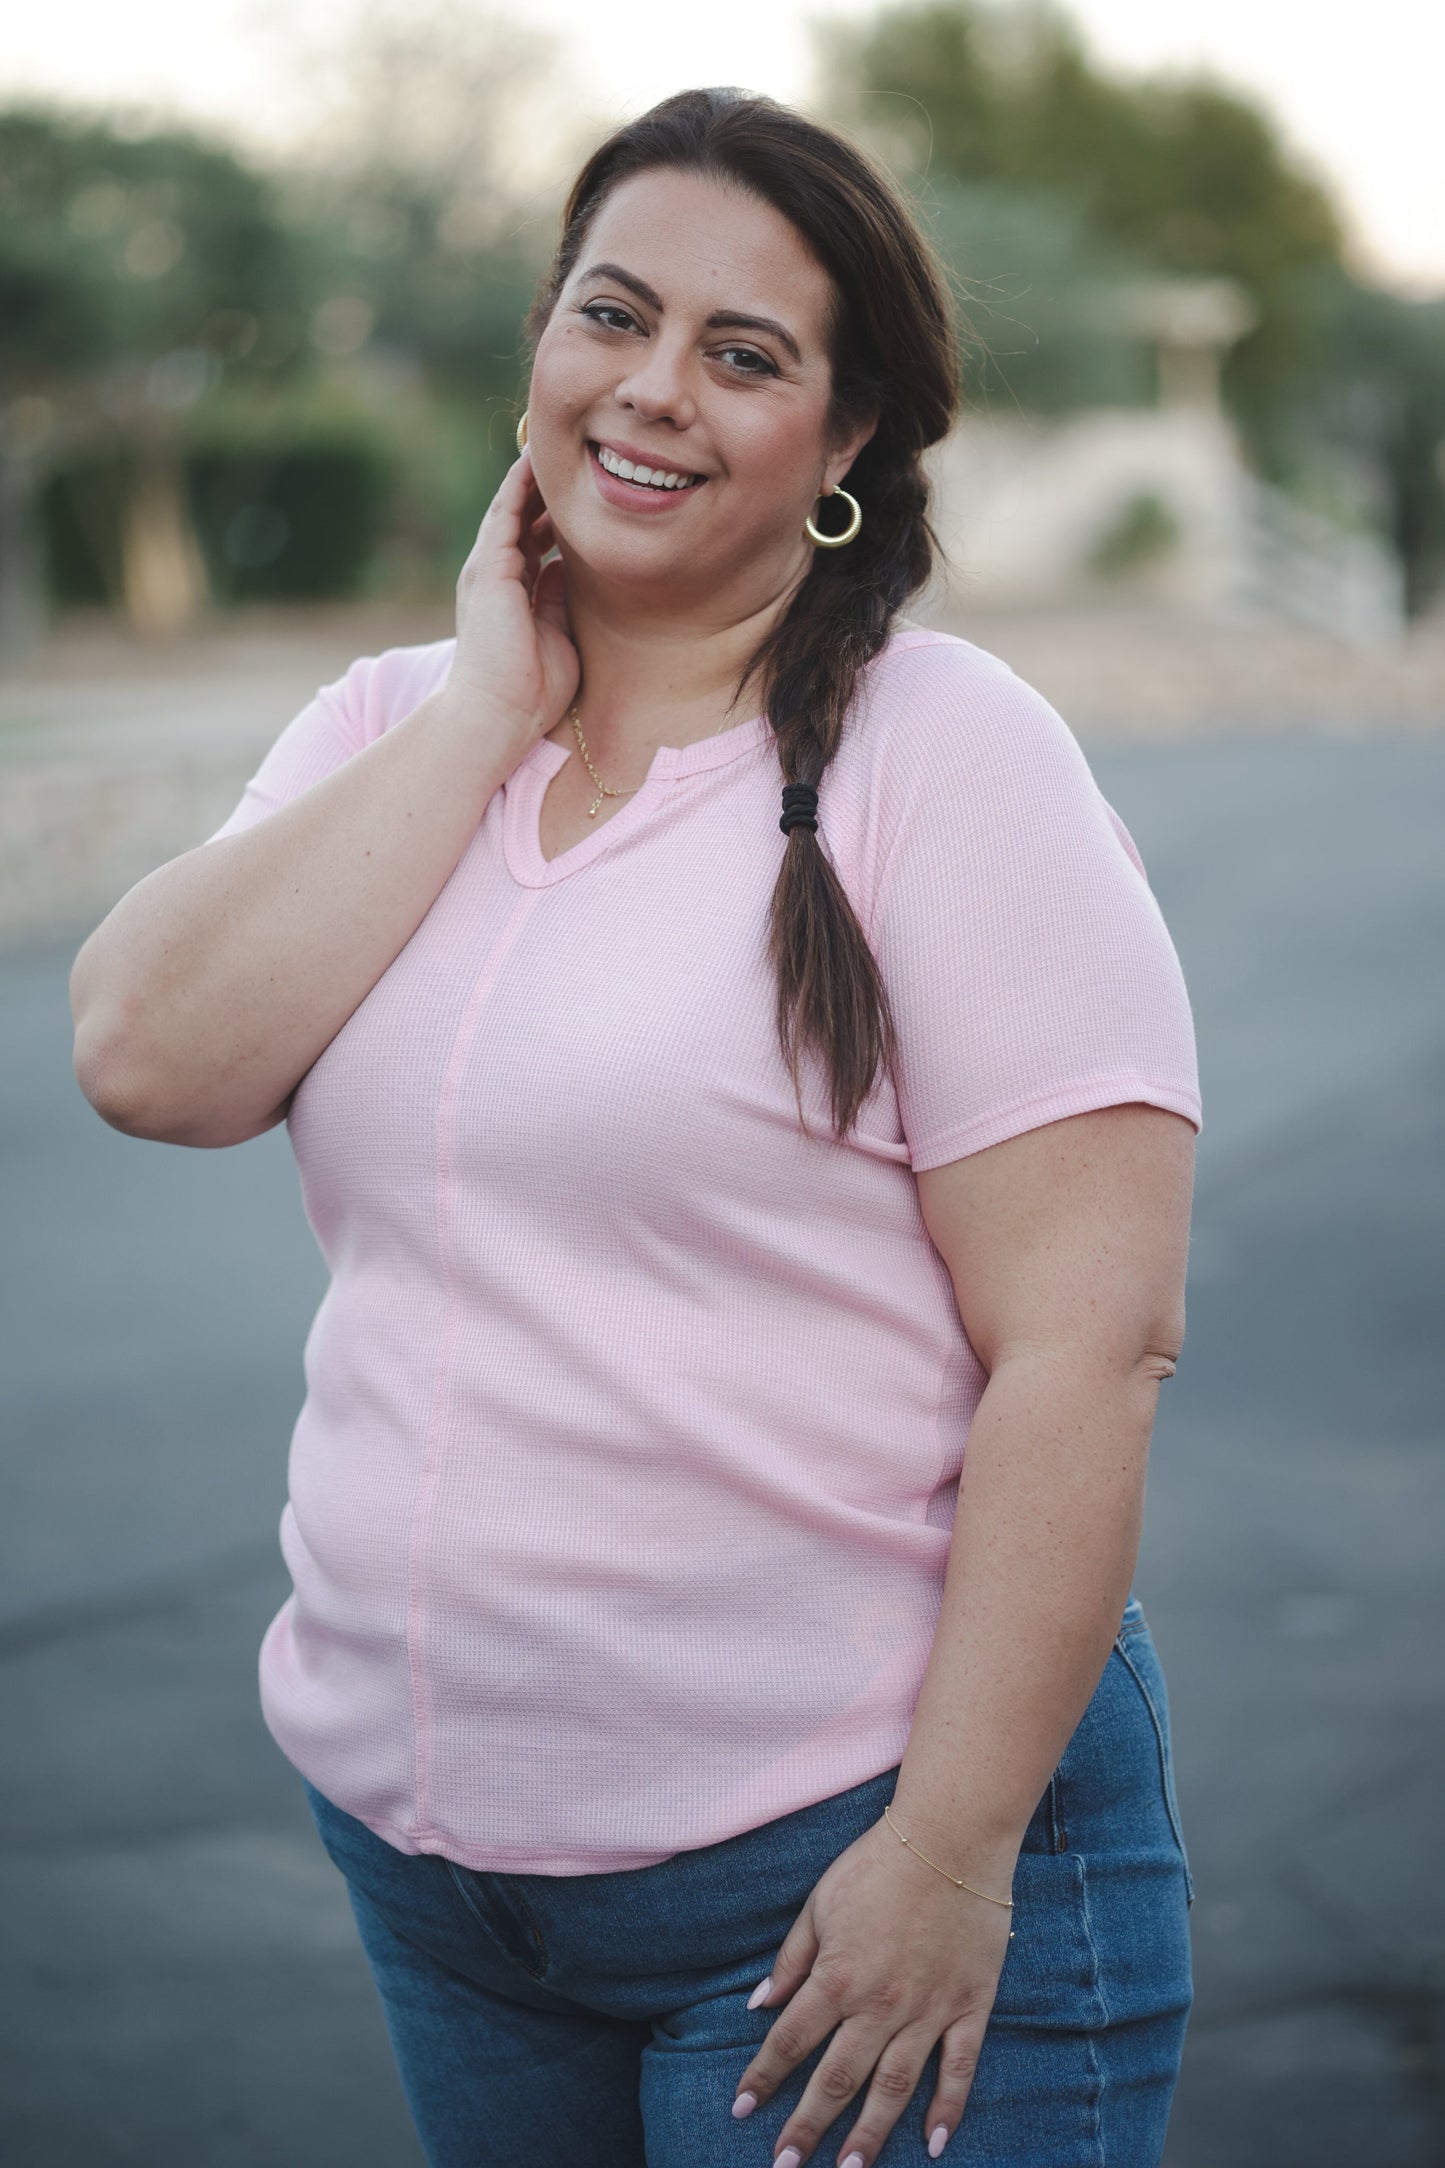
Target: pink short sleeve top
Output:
[(621, 1495)]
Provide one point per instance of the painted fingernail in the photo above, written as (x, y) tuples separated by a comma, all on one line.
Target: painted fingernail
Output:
[(760, 1992), (938, 2141), (854, 2160), (744, 2105), (790, 2157)]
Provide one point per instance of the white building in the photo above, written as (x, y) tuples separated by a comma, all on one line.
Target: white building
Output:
[(1152, 501)]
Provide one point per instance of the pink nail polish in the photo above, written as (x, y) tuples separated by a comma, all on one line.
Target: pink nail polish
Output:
[(938, 2141), (790, 2157), (759, 1993), (744, 2105)]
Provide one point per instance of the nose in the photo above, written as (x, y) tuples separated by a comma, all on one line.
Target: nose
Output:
[(658, 387)]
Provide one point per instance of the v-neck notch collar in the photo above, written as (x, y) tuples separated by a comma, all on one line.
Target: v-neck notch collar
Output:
[(526, 787)]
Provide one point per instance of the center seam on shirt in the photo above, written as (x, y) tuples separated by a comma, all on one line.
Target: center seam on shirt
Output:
[(442, 1381)]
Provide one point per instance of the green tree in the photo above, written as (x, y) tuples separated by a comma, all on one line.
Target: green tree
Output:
[(1044, 297), (132, 273), (1374, 392), (1186, 174), (354, 296), (1050, 182)]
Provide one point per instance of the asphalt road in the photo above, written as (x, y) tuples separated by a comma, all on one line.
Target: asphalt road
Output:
[(181, 1978)]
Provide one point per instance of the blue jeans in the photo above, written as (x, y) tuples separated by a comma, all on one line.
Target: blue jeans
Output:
[(600, 2020)]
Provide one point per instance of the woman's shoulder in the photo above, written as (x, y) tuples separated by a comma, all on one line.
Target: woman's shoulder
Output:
[(933, 701), (962, 761), (911, 637), (380, 689)]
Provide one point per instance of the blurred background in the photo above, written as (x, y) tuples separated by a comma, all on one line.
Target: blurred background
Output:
[(262, 272)]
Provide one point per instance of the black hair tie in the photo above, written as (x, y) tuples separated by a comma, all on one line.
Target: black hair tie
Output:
[(800, 807)]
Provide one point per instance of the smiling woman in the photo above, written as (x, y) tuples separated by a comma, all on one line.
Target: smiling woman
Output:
[(694, 327), (745, 1092), (705, 237)]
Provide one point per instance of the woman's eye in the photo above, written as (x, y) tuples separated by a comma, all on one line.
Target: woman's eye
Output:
[(751, 354), (596, 310)]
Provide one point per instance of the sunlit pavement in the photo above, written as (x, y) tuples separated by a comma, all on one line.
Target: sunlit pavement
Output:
[(183, 1983)]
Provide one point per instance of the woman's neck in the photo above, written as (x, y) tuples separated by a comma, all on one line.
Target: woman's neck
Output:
[(650, 679)]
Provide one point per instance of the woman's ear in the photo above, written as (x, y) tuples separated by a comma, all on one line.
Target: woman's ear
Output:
[(847, 448)]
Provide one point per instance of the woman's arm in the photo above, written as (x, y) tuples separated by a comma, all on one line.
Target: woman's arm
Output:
[(209, 990), (1068, 1248), (203, 998)]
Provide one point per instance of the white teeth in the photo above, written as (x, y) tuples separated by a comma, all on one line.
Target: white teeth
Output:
[(650, 477)]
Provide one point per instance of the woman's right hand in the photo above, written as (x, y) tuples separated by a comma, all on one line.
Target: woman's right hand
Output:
[(515, 670)]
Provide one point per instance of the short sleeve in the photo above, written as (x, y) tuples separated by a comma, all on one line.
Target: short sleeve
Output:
[(326, 732), (1028, 966)]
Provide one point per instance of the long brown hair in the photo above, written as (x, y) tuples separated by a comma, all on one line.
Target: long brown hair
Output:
[(893, 344)]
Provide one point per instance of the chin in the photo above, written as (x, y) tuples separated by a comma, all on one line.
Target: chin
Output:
[(638, 566)]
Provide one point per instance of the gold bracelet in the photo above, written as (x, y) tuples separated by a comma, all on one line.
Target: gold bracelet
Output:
[(953, 1878)]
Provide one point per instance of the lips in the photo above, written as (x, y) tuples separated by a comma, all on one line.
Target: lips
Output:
[(637, 496), (654, 462)]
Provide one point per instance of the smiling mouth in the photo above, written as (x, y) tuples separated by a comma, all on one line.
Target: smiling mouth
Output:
[(640, 477)]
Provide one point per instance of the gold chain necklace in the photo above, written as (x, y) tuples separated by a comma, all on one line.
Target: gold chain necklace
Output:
[(602, 788)]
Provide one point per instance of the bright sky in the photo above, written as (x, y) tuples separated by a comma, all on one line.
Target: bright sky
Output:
[(1361, 101)]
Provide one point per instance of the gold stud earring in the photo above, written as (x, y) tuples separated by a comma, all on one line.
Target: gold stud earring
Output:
[(522, 432), (836, 541)]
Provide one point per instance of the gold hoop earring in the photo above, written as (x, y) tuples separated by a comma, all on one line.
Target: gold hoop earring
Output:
[(836, 541), (522, 432)]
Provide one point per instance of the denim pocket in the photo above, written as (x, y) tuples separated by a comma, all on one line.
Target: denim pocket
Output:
[(1135, 1644)]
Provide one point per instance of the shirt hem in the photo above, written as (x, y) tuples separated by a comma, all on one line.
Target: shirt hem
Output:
[(430, 1844), (1084, 1096), (481, 1859)]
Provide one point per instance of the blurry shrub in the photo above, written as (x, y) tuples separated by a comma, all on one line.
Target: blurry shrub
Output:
[(1142, 533), (79, 507), (1373, 397), (300, 521), (299, 524), (289, 490)]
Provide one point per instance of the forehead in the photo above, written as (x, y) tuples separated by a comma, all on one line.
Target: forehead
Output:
[(704, 244)]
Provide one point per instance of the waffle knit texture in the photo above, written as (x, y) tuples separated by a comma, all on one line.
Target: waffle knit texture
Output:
[(621, 1495)]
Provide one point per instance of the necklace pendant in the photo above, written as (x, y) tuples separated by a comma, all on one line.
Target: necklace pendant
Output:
[(593, 807)]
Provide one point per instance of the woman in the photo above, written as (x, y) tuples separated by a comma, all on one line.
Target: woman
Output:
[(722, 1770)]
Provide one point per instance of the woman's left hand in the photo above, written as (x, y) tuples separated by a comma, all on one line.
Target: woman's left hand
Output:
[(885, 1951)]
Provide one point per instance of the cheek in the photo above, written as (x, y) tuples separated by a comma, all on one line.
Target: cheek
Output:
[(771, 463), (565, 371)]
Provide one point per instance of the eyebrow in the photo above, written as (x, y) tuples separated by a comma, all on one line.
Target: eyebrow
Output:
[(720, 320)]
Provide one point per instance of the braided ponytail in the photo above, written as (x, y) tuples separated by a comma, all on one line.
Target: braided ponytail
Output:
[(894, 351)]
